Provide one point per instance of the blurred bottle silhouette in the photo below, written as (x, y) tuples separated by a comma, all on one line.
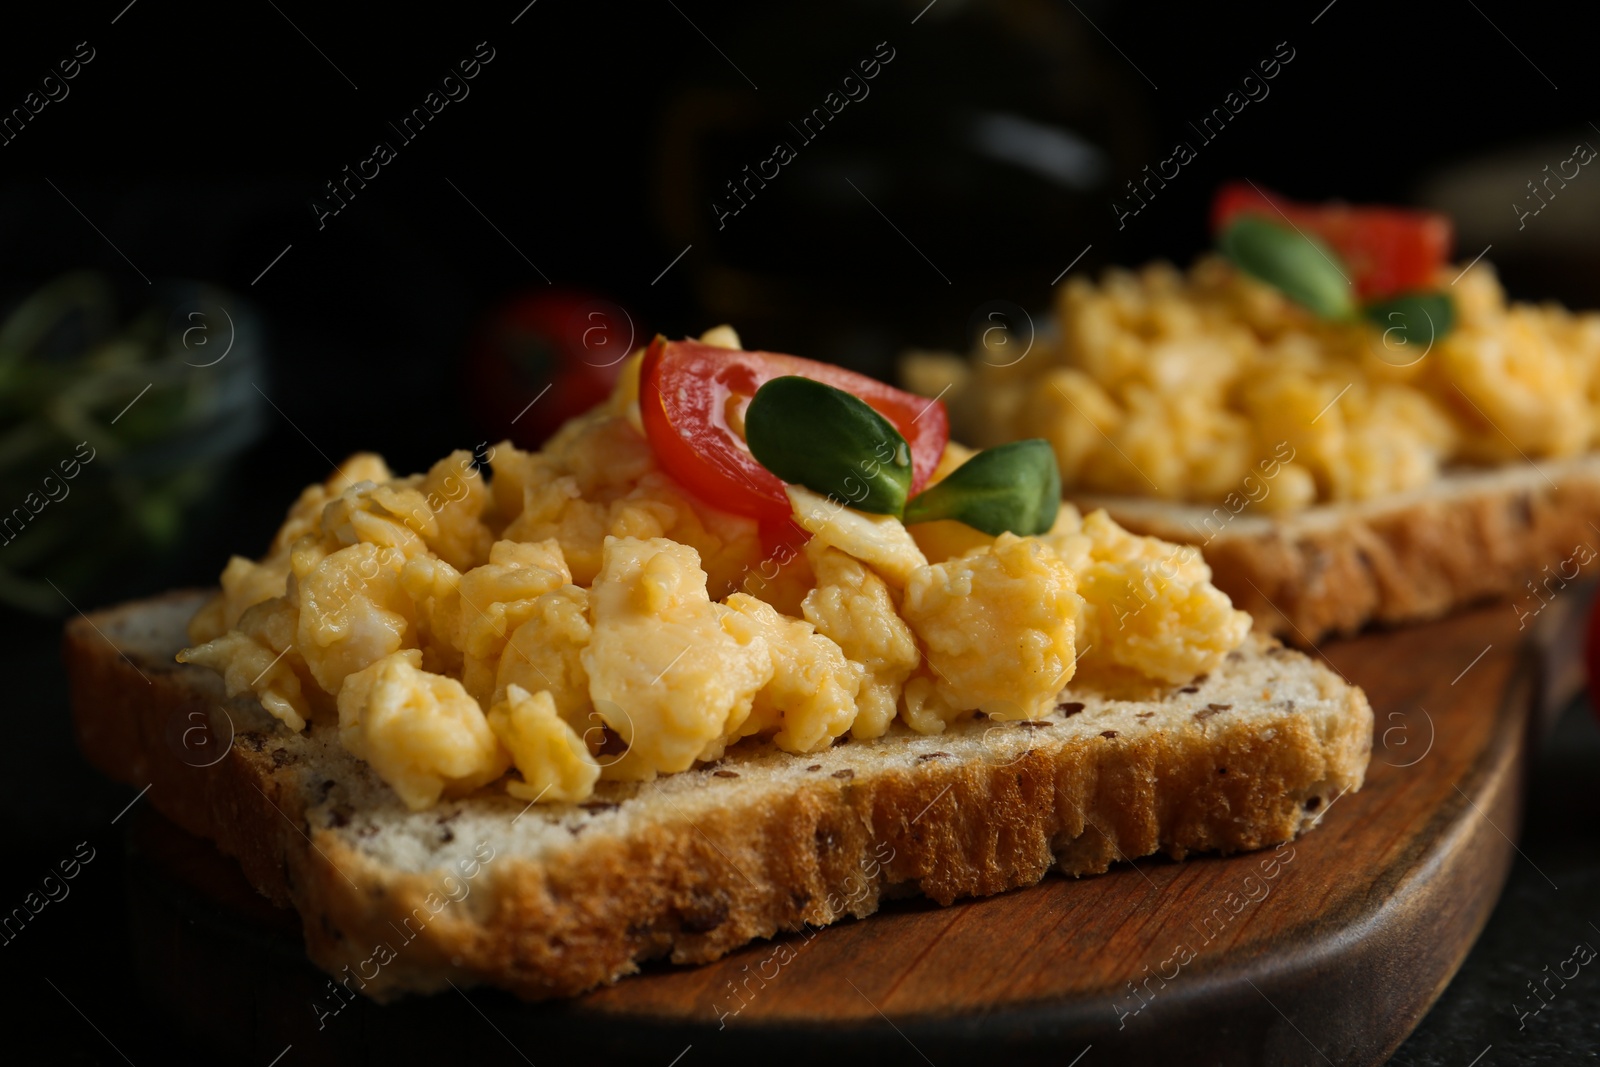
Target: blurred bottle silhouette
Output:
[(888, 177)]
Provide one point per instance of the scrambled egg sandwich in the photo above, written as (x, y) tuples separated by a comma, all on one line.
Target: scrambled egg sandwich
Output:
[(748, 599), (1350, 427)]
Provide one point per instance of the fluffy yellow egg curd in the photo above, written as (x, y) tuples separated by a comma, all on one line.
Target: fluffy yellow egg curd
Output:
[(1200, 384), (547, 619)]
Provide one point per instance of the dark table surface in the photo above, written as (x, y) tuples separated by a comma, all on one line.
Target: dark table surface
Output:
[(1551, 904), (75, 988)]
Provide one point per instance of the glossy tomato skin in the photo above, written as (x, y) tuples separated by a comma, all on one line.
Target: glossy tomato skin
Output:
[(1389, 250), (689, 392), (570, 341)]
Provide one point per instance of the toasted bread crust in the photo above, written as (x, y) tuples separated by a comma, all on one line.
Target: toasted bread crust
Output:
[(692, 889), (1334, 568), (129, 714)]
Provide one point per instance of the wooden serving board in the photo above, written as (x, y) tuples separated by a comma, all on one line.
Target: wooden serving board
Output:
[(1327, 950)]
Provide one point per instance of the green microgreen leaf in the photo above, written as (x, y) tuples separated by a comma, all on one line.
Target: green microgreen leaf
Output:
[(1301, 267), (1014, 487), (814, 435), (1412, 319)]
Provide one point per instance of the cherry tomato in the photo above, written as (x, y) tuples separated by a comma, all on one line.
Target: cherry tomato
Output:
[(691, 395), (1389, 250), (544, 357)]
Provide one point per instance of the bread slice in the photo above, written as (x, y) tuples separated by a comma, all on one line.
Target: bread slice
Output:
[(556, 899), (1474, 534)]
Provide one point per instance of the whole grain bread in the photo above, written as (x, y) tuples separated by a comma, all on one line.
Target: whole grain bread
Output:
[(1474, 534), (555, 899)]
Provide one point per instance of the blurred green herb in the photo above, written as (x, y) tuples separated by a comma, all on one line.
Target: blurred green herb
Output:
[(1302, 268), (1309, 273), (110, 429), (1415, 315)]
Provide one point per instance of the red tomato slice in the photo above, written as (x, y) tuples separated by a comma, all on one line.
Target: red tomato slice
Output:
[(687, 391), (1389, 250)]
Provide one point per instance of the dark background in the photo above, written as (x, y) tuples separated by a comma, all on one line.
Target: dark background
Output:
[(593, 146)]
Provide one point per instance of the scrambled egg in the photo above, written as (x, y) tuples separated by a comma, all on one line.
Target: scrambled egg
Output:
[(353, 610), (1147, 607), (1186, 385), (545, 654), (811, 698), (663, 672), (551, 757), (852, 606), (259, 657), (545, 620), (422, 733), (880, 541), (496, 599), (596, 479), (998, 627)]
